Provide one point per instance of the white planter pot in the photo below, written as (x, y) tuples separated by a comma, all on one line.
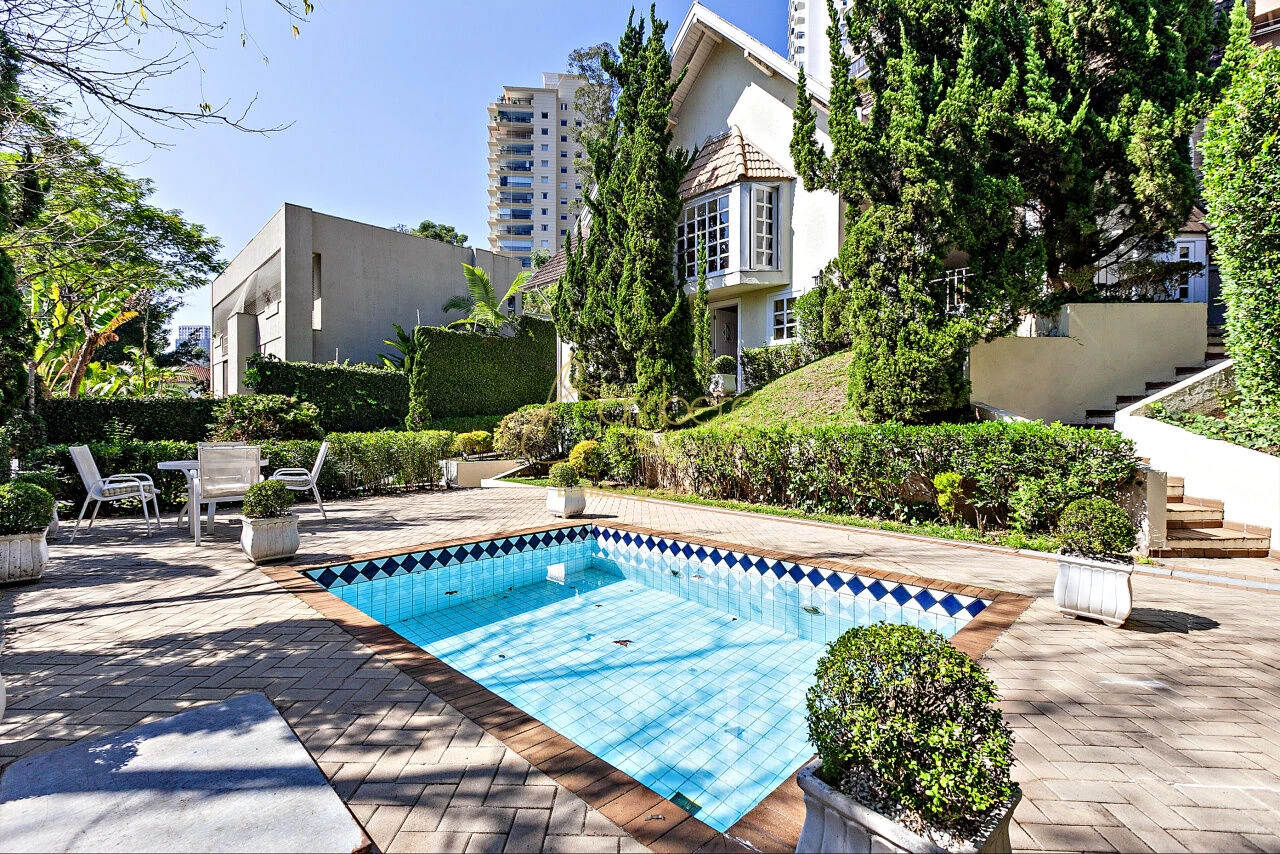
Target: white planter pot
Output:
[(724, 384), (23, 557), (833, 821), (1094, 588), (269, 539), (566, 502)]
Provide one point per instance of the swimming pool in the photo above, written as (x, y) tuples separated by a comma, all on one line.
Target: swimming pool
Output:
[(682, 664)]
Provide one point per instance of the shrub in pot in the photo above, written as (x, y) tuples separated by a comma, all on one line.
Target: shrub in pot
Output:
[(1094, 567), (724, 375), (270, 530), (48, 481), (25, 513), (587, 458), (565, 497), (913, 754)]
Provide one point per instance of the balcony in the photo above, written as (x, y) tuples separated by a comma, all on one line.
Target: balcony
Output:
[(516, 150), (505, 117), (515, 102), (515, 166), (516, 198), (509, 214), (516, 230), (518, 183)]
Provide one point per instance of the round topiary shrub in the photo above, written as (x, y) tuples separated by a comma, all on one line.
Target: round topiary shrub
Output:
[(475, 442), (950, 496), (269, 499), (1096, 528), (563, 475), (24, 509), (906, 724), (588, 459), (725, 364)]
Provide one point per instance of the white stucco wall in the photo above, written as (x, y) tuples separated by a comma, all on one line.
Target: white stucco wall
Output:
[(1109, 349), (370, 277)]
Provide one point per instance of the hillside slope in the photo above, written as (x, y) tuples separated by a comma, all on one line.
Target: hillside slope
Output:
[(811, 396)]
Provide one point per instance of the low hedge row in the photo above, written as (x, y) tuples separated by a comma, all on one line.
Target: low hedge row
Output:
[(351, 398), (72, 420), (357, 463), (762, 365), (1012, 474)]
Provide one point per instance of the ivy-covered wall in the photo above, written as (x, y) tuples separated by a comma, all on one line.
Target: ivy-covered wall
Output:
[(468, 374), (351, 398), (85, 419)]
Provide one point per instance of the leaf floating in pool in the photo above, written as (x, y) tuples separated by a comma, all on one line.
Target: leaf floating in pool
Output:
[(599, 606), (450, 592), (623, 642), (676, 573), (811, 610), (698, 578), (500, 655)]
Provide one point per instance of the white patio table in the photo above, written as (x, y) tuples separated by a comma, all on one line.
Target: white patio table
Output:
[(190, 468)]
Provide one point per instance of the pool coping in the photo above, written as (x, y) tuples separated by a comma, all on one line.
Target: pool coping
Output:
[(773, 824)]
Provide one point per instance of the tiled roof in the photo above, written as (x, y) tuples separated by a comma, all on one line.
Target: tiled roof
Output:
[(727, 159), (1195, 224)]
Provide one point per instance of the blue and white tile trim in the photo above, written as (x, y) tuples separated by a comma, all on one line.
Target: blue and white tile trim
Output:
[(509, 559)]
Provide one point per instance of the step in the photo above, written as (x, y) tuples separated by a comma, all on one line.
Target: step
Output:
[(1174, 488), (1123, 400), (1184, 371), (1213, 542), (1158, 386), (1184, 515)]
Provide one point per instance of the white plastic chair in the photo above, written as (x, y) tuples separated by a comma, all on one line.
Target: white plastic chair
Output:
[(226, 473), (118, 487), (200, 446), (301, 480)]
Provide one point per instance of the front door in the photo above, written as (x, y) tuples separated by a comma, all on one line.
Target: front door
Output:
[(724, 331)]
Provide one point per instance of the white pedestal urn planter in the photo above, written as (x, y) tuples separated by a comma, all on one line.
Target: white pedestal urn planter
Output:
[(266, 540), (1087, 587), (23, 556), (725, 384), (566, 501), (835, 822)]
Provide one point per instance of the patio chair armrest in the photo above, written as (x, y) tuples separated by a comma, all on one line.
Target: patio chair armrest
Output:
[(291, 472), (130, 477)]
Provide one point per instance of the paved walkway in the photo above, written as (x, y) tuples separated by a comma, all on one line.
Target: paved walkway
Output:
[(1163, 735)]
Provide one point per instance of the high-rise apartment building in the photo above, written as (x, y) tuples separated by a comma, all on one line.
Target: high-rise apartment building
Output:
[(807, 47), (198, 335), (534, 190)]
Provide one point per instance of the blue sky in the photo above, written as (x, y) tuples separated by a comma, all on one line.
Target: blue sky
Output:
[(386, 102)]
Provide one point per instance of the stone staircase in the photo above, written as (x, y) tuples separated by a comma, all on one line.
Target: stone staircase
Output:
[(1195, 527), (1214, 352)]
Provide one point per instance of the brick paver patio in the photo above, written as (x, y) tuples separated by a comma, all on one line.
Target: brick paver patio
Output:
[(1163, 735)]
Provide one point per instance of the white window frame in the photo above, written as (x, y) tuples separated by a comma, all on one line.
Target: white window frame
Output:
[(775, 197), (790, 321), (719, 261)]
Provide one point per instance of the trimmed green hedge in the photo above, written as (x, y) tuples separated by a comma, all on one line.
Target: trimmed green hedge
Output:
[(1013, 474), (75, 420), (351, 398), (765, 364), (468, 374), (357, 463)]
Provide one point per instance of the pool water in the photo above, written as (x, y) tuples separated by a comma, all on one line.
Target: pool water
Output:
[(685, 667)]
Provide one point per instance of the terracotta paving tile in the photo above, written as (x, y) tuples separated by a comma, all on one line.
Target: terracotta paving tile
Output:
[(1163, 735)]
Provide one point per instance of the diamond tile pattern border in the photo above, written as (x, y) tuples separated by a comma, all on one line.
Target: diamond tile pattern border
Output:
[(848, 583)]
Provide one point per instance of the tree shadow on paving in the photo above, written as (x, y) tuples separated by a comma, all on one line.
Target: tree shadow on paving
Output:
[(1160, 621)]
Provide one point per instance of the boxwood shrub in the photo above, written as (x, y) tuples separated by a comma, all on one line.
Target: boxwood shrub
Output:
[(269, 499), (24, 508), (86, 419), (351, 398), (907, 724), (765, 364), (887, 470), (357, 463)]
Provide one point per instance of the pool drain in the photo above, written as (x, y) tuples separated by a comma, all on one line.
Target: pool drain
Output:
[(685, 803)]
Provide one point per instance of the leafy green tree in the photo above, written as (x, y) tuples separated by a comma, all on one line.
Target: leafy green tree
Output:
[(653, 318), (1242, 188), (98, 255), (702, 323), (594, 100), (538, 257), (439, 231), (486, 313), (15, 328)]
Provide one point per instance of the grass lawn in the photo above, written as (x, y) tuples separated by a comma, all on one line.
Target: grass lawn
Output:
[(1008, 539), (813, 395)]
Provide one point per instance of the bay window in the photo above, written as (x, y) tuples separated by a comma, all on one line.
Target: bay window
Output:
[(704, 222), (763, 227)]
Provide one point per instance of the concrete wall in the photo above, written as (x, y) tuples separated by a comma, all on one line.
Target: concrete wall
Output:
[(1247, 482), (1107, 349), (339, 287)]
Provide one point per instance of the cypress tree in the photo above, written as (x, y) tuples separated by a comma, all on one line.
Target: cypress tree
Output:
[(653, 319), (702, 323), (16, 334)]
